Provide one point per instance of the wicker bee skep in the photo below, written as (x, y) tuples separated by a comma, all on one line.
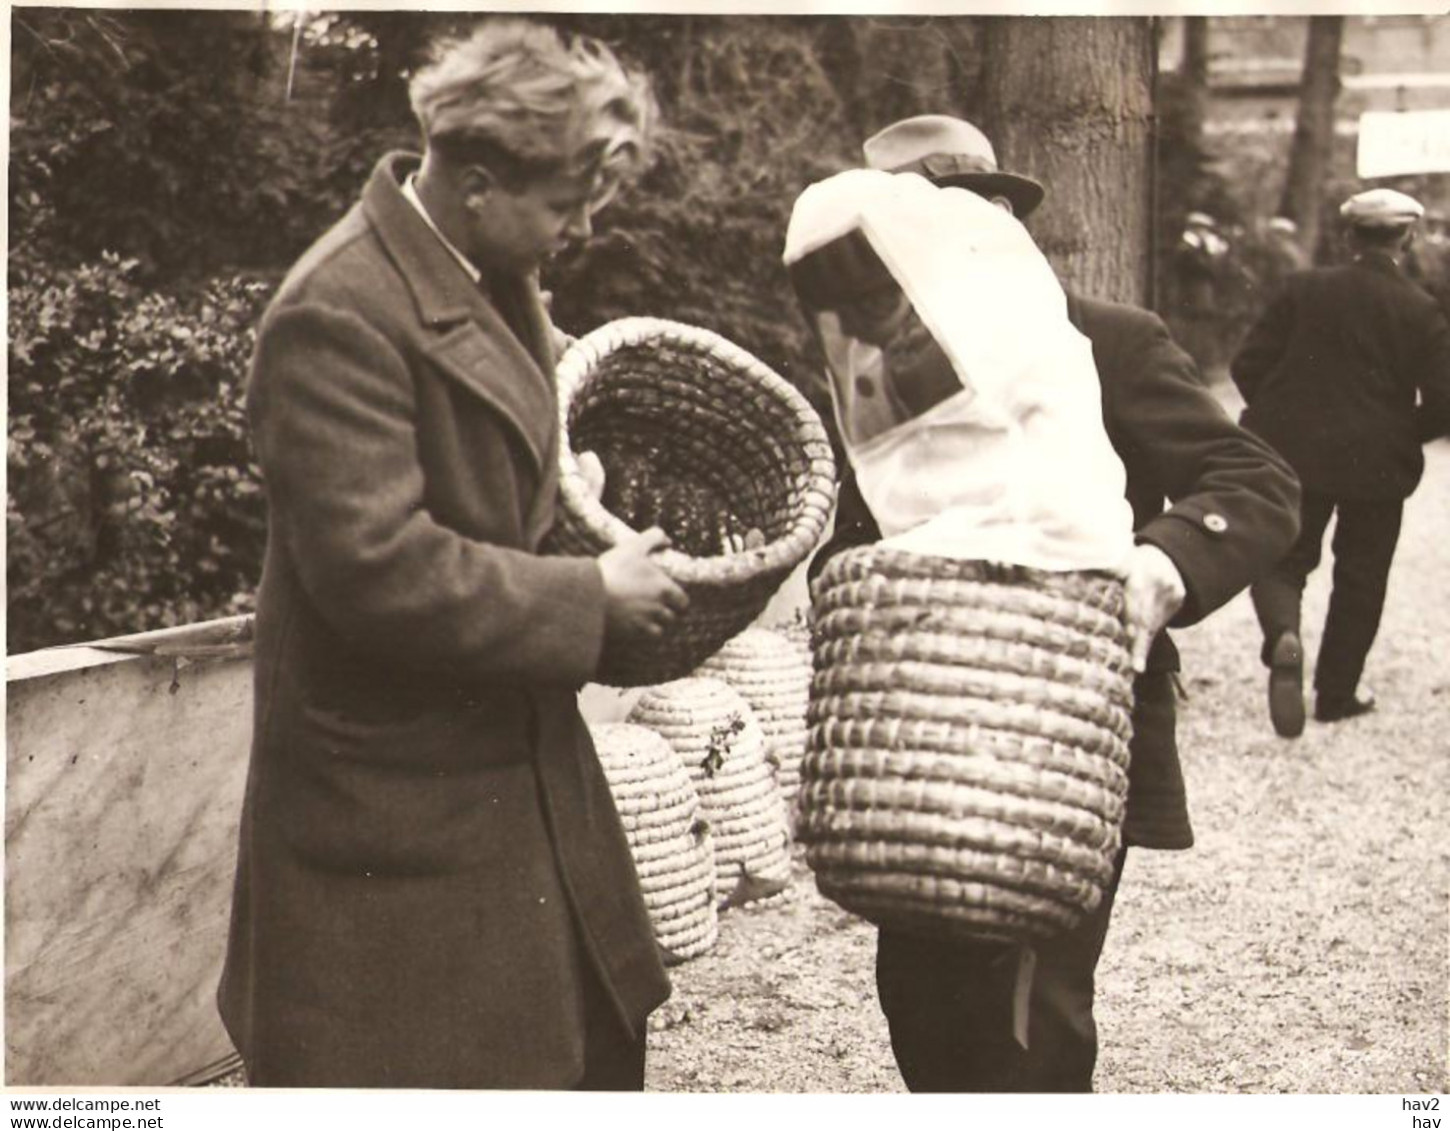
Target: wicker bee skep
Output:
[(702, 439), (967, 763), (668, 837), (774, 676), (715, 735)]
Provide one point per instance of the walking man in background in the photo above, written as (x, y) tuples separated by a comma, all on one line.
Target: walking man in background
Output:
[(950, 1003), (433, 887), (1347, 374), (1279, 256)]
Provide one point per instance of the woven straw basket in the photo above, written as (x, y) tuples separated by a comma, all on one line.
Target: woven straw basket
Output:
[(715, 735), (773, 674), (967, 765), (668, 837), (700, 438)]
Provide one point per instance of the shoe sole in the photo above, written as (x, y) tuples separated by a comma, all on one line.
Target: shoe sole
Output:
[(1286, 686)]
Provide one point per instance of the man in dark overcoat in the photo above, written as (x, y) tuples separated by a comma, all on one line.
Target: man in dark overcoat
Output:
[(1347, 373), (952, 1006), (433, 887)]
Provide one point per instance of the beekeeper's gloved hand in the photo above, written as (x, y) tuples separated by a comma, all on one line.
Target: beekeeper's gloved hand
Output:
[(1153, 591)]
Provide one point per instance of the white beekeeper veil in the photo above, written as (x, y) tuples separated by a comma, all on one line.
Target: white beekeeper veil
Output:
[(968, 404)]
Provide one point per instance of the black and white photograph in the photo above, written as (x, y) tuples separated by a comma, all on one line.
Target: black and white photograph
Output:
[(727, 553)]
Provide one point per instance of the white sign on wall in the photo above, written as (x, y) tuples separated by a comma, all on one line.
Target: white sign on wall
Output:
[(1393, 143)]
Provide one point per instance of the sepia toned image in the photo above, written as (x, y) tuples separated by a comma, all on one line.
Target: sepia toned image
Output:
[(694, 552)]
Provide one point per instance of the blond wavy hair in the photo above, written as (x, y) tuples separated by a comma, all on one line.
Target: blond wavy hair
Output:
[(527, 102)]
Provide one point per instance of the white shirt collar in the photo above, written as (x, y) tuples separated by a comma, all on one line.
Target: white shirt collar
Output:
[(411, 195)]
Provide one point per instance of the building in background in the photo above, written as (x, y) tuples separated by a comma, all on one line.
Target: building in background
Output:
[(1387, 63)]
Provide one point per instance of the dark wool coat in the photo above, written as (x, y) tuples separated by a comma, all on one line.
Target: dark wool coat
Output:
[(1331, 373), (1233, 514), (429, 852)]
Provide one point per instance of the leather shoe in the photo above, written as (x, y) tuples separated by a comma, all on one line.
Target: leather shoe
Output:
[(1333, 708), (1286, 685)]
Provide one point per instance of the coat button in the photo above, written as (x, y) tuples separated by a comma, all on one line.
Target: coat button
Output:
[(865, 387), (1215, 522)]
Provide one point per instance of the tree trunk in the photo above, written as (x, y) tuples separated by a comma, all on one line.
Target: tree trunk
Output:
[(1068, 101), (1309, 159), (1181, 156), (843, 61), (1195, 77)]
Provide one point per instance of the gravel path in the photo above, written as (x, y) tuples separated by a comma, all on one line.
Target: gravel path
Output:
[(1300, 947)]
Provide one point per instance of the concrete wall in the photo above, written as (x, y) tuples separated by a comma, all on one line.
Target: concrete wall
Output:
[(124, 776)]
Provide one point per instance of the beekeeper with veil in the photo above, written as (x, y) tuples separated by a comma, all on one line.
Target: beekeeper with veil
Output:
[(986, 414), (968, 404)]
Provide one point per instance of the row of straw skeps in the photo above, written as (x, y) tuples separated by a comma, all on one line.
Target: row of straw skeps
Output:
[(704, 772)]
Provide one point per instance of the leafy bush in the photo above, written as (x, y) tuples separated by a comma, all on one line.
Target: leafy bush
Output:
[(133, 502), (173, 138)]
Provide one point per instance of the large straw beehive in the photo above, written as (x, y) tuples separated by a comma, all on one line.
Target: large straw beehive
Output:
[(667, 833), (716, 736), (967, 768), (773, 674)]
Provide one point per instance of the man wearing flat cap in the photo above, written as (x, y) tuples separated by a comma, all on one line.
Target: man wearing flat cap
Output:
[(1347, 374), (975, 1015)]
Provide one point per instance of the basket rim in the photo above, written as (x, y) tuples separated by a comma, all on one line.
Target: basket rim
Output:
[(783, 553)]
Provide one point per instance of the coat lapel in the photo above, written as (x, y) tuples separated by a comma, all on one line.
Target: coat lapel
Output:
[(474, 346), (492, 365)]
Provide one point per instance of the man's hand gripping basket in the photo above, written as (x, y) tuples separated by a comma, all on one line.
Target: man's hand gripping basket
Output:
[(968, 755), (701, 439)]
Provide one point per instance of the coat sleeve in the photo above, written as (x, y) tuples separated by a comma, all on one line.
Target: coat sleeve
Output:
[(332, 412), (1235, 502), (854, 524), (1432, 416), (1263, 346)]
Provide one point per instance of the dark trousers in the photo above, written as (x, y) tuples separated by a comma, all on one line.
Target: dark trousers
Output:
[(1364, 546), (949, 1007)]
